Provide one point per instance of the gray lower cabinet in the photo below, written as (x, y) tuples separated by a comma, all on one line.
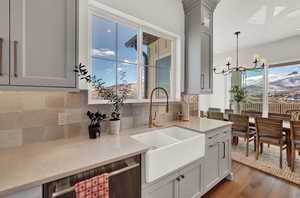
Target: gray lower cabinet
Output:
[(190, 185), (38, 48), (30, 193), (225, 158), (217, 163), (184, 183), (211, 173), (164, 188)]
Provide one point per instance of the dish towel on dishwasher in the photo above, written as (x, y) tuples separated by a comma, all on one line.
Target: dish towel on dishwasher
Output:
[(96, 187)]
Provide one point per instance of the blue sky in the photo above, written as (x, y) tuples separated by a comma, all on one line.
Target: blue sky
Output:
[(254, 76), (104, 41)]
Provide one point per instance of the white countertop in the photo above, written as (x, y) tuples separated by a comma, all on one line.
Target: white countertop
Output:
[(28, 166)]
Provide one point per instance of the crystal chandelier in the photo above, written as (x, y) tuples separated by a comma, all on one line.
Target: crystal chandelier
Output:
[(258, 62)]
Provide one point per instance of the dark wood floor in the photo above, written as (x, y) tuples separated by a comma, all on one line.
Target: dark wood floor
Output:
[(250, 183)]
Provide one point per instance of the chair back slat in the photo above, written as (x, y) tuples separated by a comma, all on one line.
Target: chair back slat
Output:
[(215, 115), (279, 116), (213, 109), (270, 127), (228, 111), (295, 115), (252, 113), (240, 122), (295, 126)]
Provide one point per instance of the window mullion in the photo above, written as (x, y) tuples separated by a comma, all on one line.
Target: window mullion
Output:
[(139, 61), (116, 59)]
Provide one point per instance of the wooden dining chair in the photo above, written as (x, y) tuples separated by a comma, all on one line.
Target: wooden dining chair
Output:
[(215, 115), (269, 131), (295, 140), (240, 128)]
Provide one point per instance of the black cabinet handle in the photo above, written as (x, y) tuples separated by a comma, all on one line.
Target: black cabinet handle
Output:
[(15, 58), (224, 147), (182, 176), (178, 179), (1, 55), (202, 79)]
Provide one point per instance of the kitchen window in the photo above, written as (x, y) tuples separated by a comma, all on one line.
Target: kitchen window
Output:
[(129, 55)]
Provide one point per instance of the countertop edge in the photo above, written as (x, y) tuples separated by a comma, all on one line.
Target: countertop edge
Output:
[(27, 186), (207, 131)]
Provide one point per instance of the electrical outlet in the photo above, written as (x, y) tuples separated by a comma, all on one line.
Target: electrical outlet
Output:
[(62, 118)]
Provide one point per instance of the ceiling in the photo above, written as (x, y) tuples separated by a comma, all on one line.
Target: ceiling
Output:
[(260, 21)]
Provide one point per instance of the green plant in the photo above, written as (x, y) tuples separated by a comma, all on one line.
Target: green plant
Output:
[(238, 94), (116, 99), (95, 118)]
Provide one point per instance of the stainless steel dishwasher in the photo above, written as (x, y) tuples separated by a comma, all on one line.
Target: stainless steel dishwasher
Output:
[(124, 180)]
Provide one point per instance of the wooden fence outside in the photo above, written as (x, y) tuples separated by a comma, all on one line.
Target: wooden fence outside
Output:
[(280, 108)]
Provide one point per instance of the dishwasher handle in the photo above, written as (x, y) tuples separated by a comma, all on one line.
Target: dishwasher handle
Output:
[(116, 172)]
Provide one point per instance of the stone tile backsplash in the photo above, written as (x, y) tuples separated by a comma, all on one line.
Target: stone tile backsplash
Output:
[(31, 117)]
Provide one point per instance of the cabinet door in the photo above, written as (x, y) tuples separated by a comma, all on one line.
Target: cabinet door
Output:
[(193, 48), (4, 42), (30, 193), (206, 62), (225, 158), (211, 165), (43, 43), (190, 185), (165, 189)]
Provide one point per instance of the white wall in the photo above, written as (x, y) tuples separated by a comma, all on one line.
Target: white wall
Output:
[(166, 14), (285, 50)]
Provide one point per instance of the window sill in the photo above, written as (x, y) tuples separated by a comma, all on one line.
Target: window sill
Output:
[(134, 101)]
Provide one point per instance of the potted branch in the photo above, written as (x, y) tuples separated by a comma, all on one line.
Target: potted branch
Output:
[(116, 99), (94, 126), (238, 96)]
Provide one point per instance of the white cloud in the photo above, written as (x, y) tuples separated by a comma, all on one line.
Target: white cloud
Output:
[(103, 52)]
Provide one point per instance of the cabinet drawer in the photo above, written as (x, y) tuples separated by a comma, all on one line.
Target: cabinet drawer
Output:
[(213, 136)]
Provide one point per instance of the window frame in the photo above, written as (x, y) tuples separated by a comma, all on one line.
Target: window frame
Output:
[(97, 9), (265, 76)]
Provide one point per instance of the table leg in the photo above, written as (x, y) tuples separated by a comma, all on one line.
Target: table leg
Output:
[(289, 150), (257, 147)]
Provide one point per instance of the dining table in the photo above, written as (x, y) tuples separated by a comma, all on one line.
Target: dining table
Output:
[(286, 130)]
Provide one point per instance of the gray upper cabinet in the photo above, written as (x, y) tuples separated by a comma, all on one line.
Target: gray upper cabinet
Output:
[(206, 63), (199, 47), (4, 42), (43, 43)]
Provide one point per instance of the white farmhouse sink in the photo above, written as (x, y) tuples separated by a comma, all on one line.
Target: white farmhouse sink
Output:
[(172, 148)]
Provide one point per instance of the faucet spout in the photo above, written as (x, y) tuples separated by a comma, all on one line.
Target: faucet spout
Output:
[(151, 104)]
